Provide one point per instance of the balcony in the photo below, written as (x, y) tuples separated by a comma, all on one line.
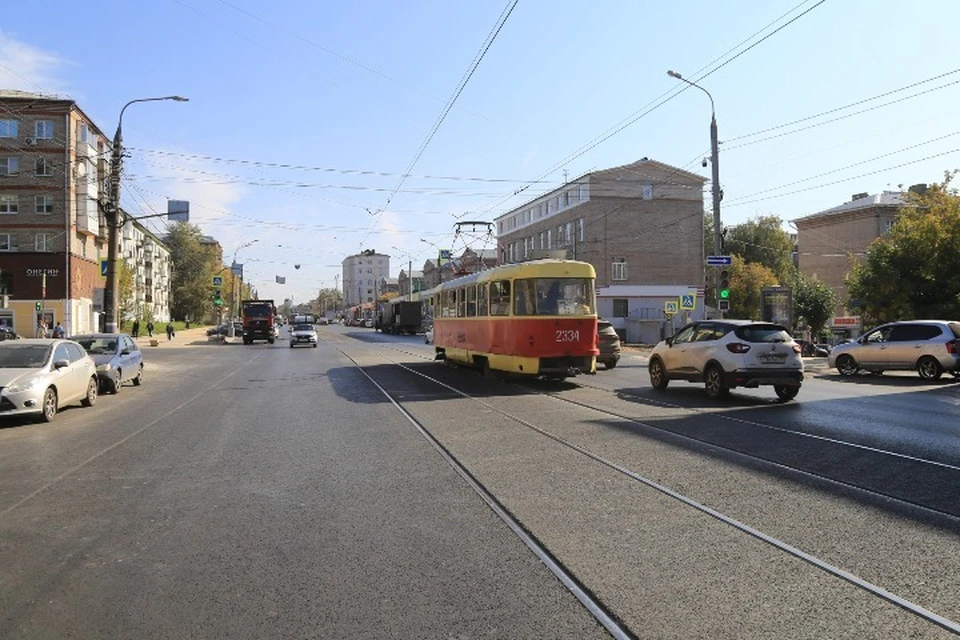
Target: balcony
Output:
[(88, 220)]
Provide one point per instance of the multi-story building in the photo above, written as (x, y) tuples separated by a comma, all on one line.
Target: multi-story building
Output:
[(411, 282), (362, 274), (831, 242), (469, 261), (54, 173), (150, 260), (641, 227)]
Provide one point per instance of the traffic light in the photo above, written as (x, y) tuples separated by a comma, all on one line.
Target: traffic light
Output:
[(217, 298), (723, 290), (39, 306)]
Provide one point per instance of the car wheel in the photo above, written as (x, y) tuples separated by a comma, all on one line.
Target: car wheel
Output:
[(291, 345), (715, 384), (116, 382), (314, 345), (929, 368), (658, 375), (91, 398), (49, 407), (786, 393), (846, 365), (139, 379), (610, 364)]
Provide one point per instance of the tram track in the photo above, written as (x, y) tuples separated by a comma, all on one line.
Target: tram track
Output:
[(782, 546)]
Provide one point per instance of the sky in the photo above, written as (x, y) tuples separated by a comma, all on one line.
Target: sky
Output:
[(317, 129)]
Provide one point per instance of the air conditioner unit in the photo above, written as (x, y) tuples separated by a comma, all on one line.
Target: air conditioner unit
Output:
[(30, 142)]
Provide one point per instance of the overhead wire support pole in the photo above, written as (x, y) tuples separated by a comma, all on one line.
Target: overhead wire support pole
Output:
[(715, 176)]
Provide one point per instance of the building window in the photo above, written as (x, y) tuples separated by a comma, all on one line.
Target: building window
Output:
[(888, 226), (568, 233), (43, 129), (83, 134), (619, 269), (582, 195), (44, 168), (549, 238), (646, 192), (9, 166), (580, 230), (43, 242), (44, 204), (9, 204), (621, 307), (8, 242), (9, 129)]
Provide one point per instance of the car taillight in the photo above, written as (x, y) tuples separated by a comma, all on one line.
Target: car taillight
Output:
[(952, 347), (738, 347)]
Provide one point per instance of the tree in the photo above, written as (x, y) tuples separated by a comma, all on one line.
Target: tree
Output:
[(813, 303), (914, 271), (127, 308), (192, 266), (763, 241), (746, 281)]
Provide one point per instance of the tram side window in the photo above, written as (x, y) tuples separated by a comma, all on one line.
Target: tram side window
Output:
[(482, 300), (500, 298), (461, 303), (471, 301), (524, 298), (449, 304)]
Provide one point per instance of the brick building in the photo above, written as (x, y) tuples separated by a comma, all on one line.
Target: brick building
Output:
[(53, 177), (640, 225)]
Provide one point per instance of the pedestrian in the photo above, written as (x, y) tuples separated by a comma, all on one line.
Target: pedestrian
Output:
[(170, 332), (136, 328), (58, 331), (41, 329), (150, 328)]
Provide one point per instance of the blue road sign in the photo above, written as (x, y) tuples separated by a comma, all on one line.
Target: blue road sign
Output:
[(103, 268), (719, 261), (217, 281), (688, 301)]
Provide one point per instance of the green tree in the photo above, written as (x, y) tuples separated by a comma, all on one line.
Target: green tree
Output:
[(763, 241), (746, 281), (813, 303), (126, 306), (914, 271), (192, 266)]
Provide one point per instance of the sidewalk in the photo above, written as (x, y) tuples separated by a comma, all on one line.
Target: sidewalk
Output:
[(183, 338)]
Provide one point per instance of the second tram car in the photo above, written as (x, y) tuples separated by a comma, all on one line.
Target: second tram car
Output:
[(536, 318)]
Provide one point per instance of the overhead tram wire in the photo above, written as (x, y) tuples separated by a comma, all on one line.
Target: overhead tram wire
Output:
[(667, 96), (504, 16)]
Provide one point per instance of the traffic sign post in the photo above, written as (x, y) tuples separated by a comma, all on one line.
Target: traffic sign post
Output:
[(218, 281), (670, 307), (688, 301)]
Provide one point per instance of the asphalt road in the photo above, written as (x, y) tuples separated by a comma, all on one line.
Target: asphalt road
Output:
[(264, 491)]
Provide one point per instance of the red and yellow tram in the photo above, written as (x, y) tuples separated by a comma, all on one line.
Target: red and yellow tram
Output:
[(535, 318)]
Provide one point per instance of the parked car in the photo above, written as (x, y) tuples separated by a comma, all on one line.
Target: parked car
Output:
[(117, 357), (303, 334), (812, 350), (224, 328), (6, 333), (609, 342), (724, 354), (930, 347), (38, 376)]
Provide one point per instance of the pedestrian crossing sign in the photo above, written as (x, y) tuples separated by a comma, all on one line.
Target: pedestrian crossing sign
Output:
[(688, 301), (670, 307)]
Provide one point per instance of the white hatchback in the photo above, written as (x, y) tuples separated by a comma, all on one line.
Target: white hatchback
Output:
[(724, 354)]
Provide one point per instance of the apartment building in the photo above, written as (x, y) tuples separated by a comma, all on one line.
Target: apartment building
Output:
[(149, 258), (362, 274), (640, 225), (831, 242), (54, 165)]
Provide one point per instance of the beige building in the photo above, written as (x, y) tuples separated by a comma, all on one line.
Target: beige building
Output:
[(640, 225), (362, 275), (831, 242)]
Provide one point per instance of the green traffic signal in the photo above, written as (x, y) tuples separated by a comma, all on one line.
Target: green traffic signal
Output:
[(724, 288), (217, 299), (38, 306)]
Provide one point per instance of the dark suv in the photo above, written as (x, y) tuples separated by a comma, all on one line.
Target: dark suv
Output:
[(609, 344), (928, 346)]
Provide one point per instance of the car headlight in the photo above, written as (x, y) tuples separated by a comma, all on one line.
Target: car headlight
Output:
[(104, 367), (24, 384)]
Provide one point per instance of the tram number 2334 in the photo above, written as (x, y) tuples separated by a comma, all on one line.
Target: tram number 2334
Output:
[(568, 335)]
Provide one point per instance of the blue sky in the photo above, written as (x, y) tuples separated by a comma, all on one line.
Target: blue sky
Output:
[(303, 115)]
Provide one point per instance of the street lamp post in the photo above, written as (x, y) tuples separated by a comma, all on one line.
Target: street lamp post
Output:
[(112, 217), (233, 286), (715, 162)]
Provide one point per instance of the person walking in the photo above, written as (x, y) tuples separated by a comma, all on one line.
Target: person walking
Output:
[(136, 327), (170, 332), (41, 329), (58, 331), (150, 328)]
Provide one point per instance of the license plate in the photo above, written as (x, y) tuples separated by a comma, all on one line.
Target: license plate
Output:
[(773, 358)]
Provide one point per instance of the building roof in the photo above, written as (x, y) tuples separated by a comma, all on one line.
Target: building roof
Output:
[(893, 199), (29, 95)]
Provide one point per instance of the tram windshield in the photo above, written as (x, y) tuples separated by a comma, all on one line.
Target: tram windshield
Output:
[(553, 297)]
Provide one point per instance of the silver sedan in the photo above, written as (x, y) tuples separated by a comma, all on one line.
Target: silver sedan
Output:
[(38, 376)]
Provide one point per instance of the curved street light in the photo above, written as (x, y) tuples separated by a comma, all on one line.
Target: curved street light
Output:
[(715, 161), (233, 286), (112, 216)]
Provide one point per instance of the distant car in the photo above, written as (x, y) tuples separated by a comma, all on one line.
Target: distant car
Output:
[(609, 343), (930, 347), (117, 357), (368, 323), (224, 329), (303, 334), (810, 350), (38, 376), (6, 333), (724, 354)]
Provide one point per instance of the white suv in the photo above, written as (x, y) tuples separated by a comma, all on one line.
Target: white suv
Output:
[(724, 354)]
